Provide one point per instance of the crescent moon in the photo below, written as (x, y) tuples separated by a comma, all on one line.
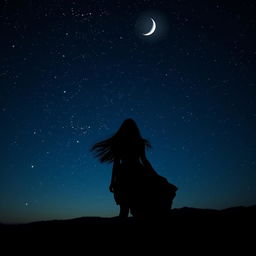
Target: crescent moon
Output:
[(152, 30)]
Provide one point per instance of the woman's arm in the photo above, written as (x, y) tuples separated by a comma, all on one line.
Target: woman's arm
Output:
[(114, 174), (146, 163)]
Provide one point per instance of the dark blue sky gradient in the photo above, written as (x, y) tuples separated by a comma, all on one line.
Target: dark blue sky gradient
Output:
[(72, 71)]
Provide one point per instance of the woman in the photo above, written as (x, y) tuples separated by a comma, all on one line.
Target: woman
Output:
[(136, 186)]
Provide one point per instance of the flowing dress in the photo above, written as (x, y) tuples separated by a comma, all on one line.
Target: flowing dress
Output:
[(144, 191)]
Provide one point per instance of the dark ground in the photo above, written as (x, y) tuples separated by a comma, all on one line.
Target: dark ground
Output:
[(185, 229)]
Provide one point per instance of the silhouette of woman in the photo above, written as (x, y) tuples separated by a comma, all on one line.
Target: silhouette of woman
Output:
[(135, 184)]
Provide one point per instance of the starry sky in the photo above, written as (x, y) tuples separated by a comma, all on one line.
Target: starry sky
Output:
[(72, 71)]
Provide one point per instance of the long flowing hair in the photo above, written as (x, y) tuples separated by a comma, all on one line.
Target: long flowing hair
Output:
[(127, 140)]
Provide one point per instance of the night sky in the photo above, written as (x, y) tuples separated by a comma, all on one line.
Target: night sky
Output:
[(72, 71)]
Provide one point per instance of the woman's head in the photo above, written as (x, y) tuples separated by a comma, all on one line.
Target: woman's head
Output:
[(126, 142), (128, 130)]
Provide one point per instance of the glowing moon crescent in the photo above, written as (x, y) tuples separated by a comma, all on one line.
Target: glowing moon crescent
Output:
[(152, 30)]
